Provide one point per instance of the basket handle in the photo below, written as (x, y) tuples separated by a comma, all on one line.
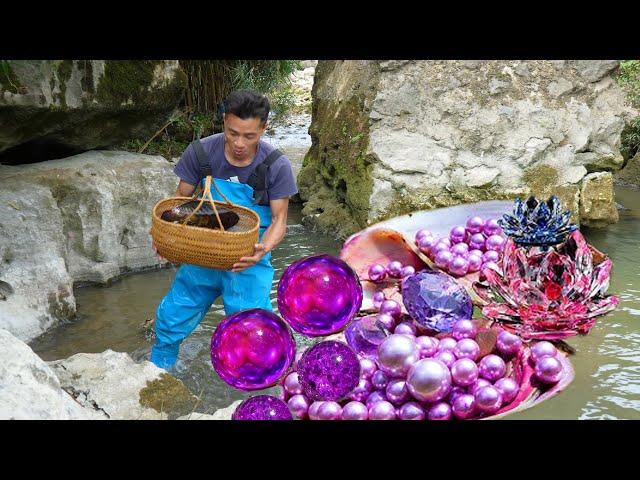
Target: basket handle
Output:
[(206, 195)]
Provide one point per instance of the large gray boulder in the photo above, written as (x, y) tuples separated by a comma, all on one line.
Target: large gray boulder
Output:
[(83, 219), (390, 137), (53, 106)]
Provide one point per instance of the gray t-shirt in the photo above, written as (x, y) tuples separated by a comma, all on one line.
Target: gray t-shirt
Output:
[(281, 183)]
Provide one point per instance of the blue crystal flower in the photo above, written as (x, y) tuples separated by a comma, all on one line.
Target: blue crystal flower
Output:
[(537, 223)]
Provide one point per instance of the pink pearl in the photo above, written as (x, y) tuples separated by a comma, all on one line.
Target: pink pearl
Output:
[(464, 329), (495, 242), (476, 252), (479, 383), (443, 258), (491, 227), (459, 266), (464, 406), (427, 346), (378, 298), (377, 273), (549, 370), (490, 256), (405, 328), (447, 343), (461, 249), (313, 410), (446, 241), (488, 399), (375, 397), (543, 349), (508, 344), (382, 410), (477, 238), (387, 321), (329, 410), (391, 307), (355, 411), (425, 244), (394, 268), (464, 372), (447, 357), (292, 384), (367, 367), (508, 388), (421, 234), (298, 406), (467, 348), (475, 262), (379, 380), (458, 231), (475, 224), (411, 411), (407, 271), (440, 411), (492, 367)]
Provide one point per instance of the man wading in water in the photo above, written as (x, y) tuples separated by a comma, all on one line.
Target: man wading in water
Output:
[(251, 173)]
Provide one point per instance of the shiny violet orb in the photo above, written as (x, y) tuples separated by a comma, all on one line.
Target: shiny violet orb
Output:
[(446, 241), (292, 384), (495, 242), (396, 355), (447, 357), (475, 225), (355, 411), (549, 370), (481, 382), (422, 233), (492, 367), (262, 407), (394, 268), (491, 227), (440, 411), (458, 234), (427, 346), (407, 271), (509, 389), (425, 244), (313, 410), (459, 266), (476, 252), (477, 247), (411, 411), (447, 343), (440, 246), (443, 258), (475, 263), (429, 380), (455, 392), (543, 349), (367, 368), (464, 406), (477, 238), (319, 295), (464, 372), (364, 335), (328, 371), (252, 349), (490, 256), (391, 307), (386, 321), (460, 249), (382, 410), (378, 298), (405, 328), (488, 399), (362, 390), (377, 396), (379, 380), (508, 344), (329, 411), (464, 329), (299, 406), (397, 392), (377, 272), (467, 348)]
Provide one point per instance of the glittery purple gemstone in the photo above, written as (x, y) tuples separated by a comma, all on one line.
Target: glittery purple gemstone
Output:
[(364, 335), (262, 407), (328, 371), (436, 300), (319, 295)]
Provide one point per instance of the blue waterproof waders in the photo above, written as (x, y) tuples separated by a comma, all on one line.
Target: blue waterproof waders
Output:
[(195, 288)]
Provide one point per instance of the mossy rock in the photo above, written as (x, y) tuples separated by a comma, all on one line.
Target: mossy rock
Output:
[(168, 395)]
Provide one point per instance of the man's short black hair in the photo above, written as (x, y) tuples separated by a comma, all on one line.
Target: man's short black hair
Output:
[(247, 104)]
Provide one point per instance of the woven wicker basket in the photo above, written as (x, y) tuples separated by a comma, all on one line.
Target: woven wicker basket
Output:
[(219, 249)]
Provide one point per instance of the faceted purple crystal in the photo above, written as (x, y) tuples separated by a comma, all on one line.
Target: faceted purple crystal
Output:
[(252, 349), (364, 335), (262, 407), (319, 295), (328, 371), (435, 300)]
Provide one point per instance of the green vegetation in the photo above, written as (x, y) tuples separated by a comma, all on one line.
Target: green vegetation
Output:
[(629, 80)]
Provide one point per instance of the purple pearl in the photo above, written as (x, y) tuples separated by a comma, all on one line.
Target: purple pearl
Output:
[(394, 268), (299, 406), (355, 411), (379, 380), (425, 244), (292, 384), (549, 370), (477, 247), (427, 346), (440, 246), (464, 329), (455, 393), (411, 411), (396, 355), (443, 258), (495, 242), (421, 234), (407, 271), (397, 392), (467, 348), (461, 249), (479, 383), (377, 272), (464, 372), (459, 266), (490, 256), (313, 410), (391, 307), (405, 328), (475, 262), (488, 399), (440, 411), (329, 410), (387, 321), (491, 227), (508, 344), (378, 298), (375, 397), (543, 349), (429, 380), (367, 368), (447, 357), (476, 252), (492, 367), (447, 343), (382, 410), (477, 238), (458, 231), (446, 241), (362, 390), (464, 406), (508, 388), (475, 224)]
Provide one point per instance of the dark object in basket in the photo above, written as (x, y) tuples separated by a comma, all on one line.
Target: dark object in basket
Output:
[(205, 217)]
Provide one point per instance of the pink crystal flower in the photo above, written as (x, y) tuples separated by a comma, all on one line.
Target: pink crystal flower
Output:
[(548, 293)]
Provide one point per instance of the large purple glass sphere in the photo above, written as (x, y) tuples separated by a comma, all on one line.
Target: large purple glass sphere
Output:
[(355, 411), (252, 349), (464, 372), (382, 410), (508, 344), (543, 349), (435, 300), (488, 399), (299, 406), (411, 411), (549, 370), (429, 380), (492, 367), (508, 388), (328, 371), (262, 407), (440, 411), (319, 295), (396, 354), (364, 335)]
